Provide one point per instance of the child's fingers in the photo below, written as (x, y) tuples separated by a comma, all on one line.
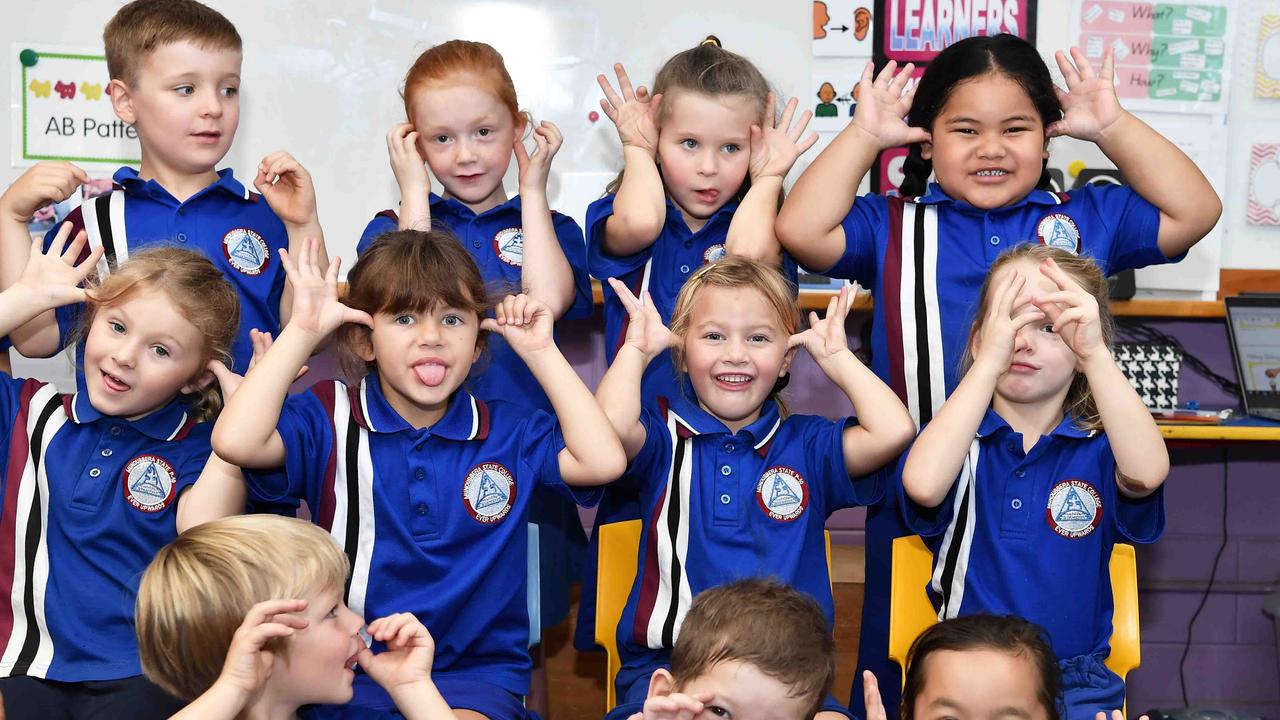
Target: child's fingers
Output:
[(490, 325), (1069, 74), (1067, 317), (808, 142), (1108, 71), (522, 154), (359, 317), (610, 95), (629, 301), (799, 127), (885, 77), (871, 697), (71, 251), (1082, 64), (900, 80), (624, 82), (266, 610)]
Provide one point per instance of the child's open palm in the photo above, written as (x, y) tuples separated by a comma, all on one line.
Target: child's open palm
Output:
[(883, 104), (316, 308), (645, 330), (1073, 312), (407, 164), (633, 112), (776, 146), (55, 276), (1090, 105)]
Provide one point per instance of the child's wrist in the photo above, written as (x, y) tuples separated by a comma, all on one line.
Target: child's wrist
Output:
[(647, 152), (1116, 130)]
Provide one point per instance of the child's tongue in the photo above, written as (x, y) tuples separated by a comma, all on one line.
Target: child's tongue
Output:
[(430, 374)]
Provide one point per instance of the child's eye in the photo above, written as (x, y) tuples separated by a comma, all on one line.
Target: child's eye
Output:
[(1047, 328), (1016, 129), (403, 319), (160, 351), (451, 320), (185, 90), (484, 132), (719, 711), (760, 338), (333, 612), (230, 91), (966, 131), (441, 139), (713, 336), (731, 148), (689, 144), (116, 327)]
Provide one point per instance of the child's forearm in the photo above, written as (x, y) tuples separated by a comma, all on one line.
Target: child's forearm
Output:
[(245, 433), (940, 450), (38, 336), (415, 208), (618, 395), (220, 702), (545, 271), (751, 234), (639, 208), (19, 305), (1165, 177), (421, 701), (592, 454), (1142, 460), (219, 493), (809, 224), (298, 235), (884, 426)]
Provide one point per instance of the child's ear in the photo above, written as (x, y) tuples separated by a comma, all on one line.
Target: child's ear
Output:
[(661, 683), (198, 383), (926, 150), (362, 344), (122, 100), (786, 361)]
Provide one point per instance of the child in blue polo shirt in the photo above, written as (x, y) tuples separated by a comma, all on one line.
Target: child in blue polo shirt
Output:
[(980, 121), (97, 481), (1041, 460), (729, 485), (425, 486), (175, 77)]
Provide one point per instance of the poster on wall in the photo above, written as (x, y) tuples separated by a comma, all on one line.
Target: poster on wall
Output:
[(832, 92), (1169, 56), (842, 28), (62, 109), (916, 31), (1266, 77)]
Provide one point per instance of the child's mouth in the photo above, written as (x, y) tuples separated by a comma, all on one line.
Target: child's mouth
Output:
[(733, 381), (430, 372), (707, 196), (991, 174), (113, 383)]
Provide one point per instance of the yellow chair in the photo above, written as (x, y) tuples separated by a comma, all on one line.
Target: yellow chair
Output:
[(619, 550), (911, 613)]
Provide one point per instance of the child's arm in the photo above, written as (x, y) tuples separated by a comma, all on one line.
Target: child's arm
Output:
[(248, 665), (619, 390), (48, 280), (774, 149), (938, 454), (640, 207), (545, 273), (592, 454), (1142, 461), (1156, 169), (404, 668), (288, 189), (809, 224), (884, 427), (42, 184), (245, 433), (410, 170)]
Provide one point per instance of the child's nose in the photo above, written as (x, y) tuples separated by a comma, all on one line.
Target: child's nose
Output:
[(707, 163)]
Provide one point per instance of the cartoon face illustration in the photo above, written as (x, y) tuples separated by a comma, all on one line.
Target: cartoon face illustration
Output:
[(861, 23), (820, 20), (827, 92)]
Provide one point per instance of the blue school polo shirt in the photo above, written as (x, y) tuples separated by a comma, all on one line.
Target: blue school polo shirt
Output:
[(719, 506), (432, 519), (1031, 534), (495, 241), (228, 224), (925, 261), (88, 500), (661, 269)]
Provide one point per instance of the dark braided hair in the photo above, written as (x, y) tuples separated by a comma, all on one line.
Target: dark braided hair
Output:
[(972, 57)]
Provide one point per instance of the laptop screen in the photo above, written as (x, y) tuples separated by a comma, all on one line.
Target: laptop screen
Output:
[(1255, 335)]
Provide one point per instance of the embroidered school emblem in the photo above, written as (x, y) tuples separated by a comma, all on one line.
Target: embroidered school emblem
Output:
[(1074, 509), (246, 251), (1059, 231), (509, 245), (488, 492), (782, 493), (715, 253), (148, 483)]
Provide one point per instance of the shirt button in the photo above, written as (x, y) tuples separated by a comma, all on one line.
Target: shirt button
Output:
[(106, 452), (684, 269), (726, 470), (724, 499), (1020, 472), (420, 474), (115, 430), (1012, 447), (94, 472), (422, 508), (475, 243), (182, 237), (728, 447), (995, 239), (1016, 504)]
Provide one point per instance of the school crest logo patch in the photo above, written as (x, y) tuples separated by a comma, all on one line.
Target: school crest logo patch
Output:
[(246, 251), (489, 492), (148, 482), (1074, 509), (509, 246), (715, 253), (1059, 231), (782, 493)]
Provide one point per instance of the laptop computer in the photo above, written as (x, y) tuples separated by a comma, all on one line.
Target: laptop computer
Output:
[(1253, 323)]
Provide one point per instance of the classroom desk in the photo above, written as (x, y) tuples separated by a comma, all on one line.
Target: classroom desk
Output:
[(1244, 429)]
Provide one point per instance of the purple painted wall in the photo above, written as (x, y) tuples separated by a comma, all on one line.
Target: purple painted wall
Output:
[(1232, 661)]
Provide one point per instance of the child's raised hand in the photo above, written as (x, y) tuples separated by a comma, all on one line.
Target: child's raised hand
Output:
[(407, 164), (883, 104), (535, 167), (248, 665), (42, 184), (676, 706), (775, 147), (54, 277), (997, 339), (288, 188), (645, 330), (825, 337), (871, 697), (634, 112), (409, 654), (316, 308), (1115, 715), (228, 380), (524, 322), (1073, 312), (1090, 105)]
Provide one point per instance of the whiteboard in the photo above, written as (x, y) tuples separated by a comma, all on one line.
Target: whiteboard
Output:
[(321, 78)]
